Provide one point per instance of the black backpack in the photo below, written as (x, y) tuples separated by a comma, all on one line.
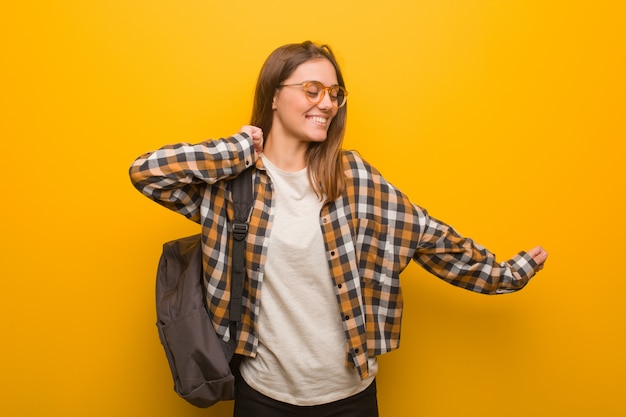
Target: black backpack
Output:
[(199, 360)]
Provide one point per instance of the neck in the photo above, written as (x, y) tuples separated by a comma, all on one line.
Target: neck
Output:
[(287, 155)]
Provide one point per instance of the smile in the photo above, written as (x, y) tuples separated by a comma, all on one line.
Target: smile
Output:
[(319, 120)]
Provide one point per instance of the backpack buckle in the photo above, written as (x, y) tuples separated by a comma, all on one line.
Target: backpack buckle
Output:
[(240, 230)]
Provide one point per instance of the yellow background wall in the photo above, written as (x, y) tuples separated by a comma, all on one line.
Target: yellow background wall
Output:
[(505, 118)]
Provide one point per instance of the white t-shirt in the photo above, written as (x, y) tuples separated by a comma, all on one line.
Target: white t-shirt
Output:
[(302, 347)]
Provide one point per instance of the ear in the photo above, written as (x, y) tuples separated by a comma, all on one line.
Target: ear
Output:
[(274, 99)]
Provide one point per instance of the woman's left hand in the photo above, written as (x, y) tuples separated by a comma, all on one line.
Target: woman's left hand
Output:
[(539, 255)]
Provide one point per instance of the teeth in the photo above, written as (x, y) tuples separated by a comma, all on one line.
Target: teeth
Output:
[(321, 120)]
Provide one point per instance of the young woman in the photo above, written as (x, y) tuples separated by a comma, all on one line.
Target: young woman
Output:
[(328, 239)]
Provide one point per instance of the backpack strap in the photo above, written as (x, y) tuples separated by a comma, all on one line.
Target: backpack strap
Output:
[(241, 188)]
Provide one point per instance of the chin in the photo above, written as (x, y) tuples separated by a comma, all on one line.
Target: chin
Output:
[(316, 140), (318, 137)]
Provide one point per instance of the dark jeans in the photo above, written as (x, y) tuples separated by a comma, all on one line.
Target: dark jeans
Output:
[(250, 403)]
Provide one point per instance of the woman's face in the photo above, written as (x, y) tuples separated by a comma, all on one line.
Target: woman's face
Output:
[(297, 118)]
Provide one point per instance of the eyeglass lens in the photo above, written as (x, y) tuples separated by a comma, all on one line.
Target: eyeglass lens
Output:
[(315, 92)]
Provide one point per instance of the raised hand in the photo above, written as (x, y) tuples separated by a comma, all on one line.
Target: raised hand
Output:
[(257, 137)]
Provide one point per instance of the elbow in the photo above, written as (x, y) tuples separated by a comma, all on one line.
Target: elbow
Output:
[(136, 174)]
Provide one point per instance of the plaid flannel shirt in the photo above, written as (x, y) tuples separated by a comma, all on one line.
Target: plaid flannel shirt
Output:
[(370, 234)]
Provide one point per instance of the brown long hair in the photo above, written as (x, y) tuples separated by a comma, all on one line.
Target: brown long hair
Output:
[(324, 160)]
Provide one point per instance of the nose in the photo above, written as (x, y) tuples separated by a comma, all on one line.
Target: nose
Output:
[(326, 102)]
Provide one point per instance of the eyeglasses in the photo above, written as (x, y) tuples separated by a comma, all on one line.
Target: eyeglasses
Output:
[(314, 92)]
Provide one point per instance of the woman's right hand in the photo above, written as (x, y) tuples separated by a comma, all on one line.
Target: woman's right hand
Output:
[(257, 137)]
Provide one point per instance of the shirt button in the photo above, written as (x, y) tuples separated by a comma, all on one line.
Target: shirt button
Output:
[(332, 253), (356, 350), (339, 285), (347, 317)]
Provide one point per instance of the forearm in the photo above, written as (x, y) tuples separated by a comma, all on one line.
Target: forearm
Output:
[(463, 263), (175, 175)]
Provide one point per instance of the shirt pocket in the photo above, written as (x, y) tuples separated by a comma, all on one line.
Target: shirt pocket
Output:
[(373, 252)]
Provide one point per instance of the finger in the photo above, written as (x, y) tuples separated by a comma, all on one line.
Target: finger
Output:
[(247, 129), (257, 133), (537, 250), (539, 255), (534, 251)]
